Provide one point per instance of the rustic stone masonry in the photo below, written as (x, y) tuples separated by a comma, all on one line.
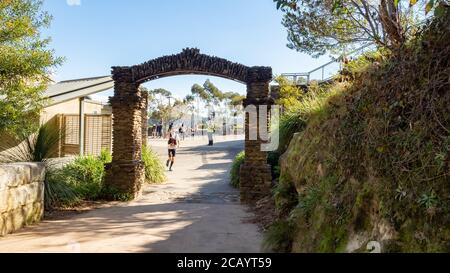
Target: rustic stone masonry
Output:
[(126, 173), (189, 61), (255, 173), (144, 113), (21, 195)]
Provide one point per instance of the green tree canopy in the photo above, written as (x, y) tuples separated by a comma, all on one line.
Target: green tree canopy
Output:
[(199, 91), (159, 95), (235, 99), (209, 93), (25, 65), (319, 26), (214, 92), (161, 92), (289, 94), (159, 110), (188, 102), (189, 99)]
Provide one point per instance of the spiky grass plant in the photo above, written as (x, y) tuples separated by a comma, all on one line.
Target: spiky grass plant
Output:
[(236, 168), (38, 147), (154, 169)]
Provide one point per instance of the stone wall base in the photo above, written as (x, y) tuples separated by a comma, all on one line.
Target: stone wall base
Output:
[(256, 182), (25, 215), (125, 178), (21, 195)]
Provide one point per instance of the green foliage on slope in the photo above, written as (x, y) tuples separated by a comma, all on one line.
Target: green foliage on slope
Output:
[(374, 163), (236, 169)]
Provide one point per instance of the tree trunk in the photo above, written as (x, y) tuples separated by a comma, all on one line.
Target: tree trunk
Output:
[(391, 23)]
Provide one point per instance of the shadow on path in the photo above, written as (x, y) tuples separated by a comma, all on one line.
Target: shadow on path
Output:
[(195, 211)]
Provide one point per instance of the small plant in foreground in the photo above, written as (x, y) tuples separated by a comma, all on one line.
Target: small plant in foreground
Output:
[(105, 156), (429, 200), (236, 168), (58, 194), (154, 169), (112, 194), (79, 180), (279, 236)]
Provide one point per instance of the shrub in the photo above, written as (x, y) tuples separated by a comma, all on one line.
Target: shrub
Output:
[(289, 93), (38, 147), (296, 119), (285, 195), (113, 194), (273, 159), (279, 236), (236, 168), (105, 156), (58, 193), (84, 176), (154, 169), (82, 179)]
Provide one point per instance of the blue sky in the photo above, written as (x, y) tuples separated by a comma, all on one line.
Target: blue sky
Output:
[(94, 35)]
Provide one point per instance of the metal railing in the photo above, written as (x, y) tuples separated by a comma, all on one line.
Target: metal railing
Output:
[(324, 72)]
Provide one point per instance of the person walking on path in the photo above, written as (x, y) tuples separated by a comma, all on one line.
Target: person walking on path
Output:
[(173, 144), (182, 132), (210, 136), (159, 130)]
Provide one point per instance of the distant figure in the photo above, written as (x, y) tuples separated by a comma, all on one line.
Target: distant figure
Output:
[(159, 130), (210, 136), (182, 131), (153, 134), (173, 144)]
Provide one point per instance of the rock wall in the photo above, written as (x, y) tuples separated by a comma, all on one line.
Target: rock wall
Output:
[(21, 195)]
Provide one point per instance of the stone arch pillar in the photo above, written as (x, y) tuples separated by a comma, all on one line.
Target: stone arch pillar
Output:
[(125, 175), (255, 173), (144, 115)]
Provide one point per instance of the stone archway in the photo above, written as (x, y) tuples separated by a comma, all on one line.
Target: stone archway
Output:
[(125, 174)]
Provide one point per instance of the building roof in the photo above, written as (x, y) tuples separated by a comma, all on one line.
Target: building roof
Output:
[(79, 88)]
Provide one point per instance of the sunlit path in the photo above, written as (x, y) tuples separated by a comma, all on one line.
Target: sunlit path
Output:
[(195, 211)]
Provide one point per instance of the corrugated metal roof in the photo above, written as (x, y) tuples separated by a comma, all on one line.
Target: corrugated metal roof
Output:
[(72, 89)]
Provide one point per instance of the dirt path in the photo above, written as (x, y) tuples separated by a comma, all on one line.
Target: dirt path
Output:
[(195, 211)]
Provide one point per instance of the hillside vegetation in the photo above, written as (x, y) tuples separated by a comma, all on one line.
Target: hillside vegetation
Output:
[(371, 160)]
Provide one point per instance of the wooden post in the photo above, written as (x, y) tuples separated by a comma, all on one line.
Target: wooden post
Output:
[(81, 126)]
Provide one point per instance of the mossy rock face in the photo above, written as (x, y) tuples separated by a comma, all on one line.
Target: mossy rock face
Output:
[(373, 164)]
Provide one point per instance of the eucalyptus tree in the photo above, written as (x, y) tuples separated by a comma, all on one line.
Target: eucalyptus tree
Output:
[(160, 109), (200, 92)]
